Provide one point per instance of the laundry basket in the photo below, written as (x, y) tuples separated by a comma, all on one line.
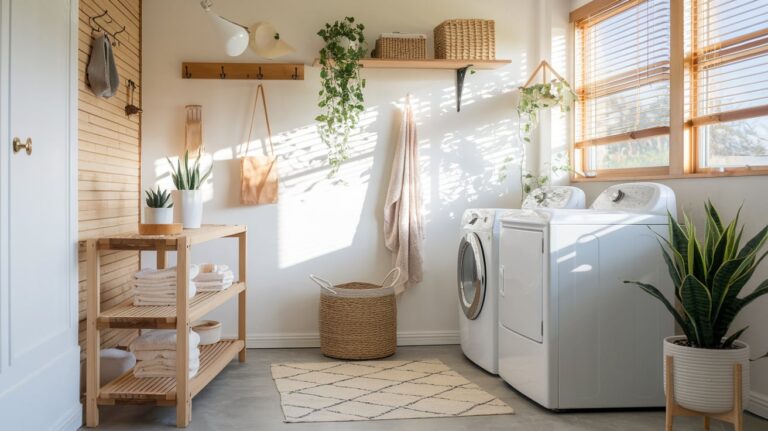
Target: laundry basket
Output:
[(358, 320)]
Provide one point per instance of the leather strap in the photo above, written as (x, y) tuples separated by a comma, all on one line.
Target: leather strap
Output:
[(260, 90)]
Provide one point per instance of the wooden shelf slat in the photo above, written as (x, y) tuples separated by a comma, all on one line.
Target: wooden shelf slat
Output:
[(128, 389), (127, 315), (135, 241), (382, 63)]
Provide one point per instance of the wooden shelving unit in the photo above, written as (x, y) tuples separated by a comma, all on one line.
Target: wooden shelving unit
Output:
[(168, 391), (381, 63)]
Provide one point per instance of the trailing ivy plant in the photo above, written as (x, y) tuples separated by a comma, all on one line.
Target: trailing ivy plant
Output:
[(542, 96), (341, 95)]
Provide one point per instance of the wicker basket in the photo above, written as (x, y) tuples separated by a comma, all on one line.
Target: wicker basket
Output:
[(358, 320), (466, 39), (401, 48)]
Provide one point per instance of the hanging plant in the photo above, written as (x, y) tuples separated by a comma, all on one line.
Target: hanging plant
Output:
[(542, 96), (341, 95)]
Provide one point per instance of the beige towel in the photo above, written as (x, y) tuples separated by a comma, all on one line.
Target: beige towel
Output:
[(403, 225)]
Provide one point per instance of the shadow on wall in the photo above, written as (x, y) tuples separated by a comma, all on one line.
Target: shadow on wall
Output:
[(320, 220)]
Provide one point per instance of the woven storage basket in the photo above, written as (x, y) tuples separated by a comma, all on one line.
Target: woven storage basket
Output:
[(466, 39), (358, 320), (401, 48)]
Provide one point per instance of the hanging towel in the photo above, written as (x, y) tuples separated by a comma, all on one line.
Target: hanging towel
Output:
[(102, 71), (403, 225)]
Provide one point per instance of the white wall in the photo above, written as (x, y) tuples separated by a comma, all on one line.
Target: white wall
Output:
[(320, 226)]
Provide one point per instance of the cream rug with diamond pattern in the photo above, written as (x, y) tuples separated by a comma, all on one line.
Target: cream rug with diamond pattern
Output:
[(373, 390)]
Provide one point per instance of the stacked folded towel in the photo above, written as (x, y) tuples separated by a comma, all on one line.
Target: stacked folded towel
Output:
[(156, 354), (158, 286), (213, 278)]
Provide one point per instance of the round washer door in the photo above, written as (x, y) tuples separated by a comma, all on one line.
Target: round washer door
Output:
[(471, 275)]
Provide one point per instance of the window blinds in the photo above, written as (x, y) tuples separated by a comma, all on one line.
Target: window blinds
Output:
[(728, 62), (623, 72)]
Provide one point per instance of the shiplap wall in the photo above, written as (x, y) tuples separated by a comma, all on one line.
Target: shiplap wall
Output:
[(109, 158)]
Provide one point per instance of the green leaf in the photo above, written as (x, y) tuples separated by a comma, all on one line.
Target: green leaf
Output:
[(735, 336), (697, 305), (656, 293)]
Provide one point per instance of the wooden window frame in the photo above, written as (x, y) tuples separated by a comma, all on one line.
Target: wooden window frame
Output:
[(683, 135)]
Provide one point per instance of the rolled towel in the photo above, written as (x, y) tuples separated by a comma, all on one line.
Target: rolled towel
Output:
[(162, 339), (213, 272)]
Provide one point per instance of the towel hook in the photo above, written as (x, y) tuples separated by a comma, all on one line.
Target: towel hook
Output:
[(186, 72), (259, 75), (295, 75), (222, 75)]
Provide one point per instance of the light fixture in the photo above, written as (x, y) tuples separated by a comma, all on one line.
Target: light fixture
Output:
[(236, 36), (266, 41)]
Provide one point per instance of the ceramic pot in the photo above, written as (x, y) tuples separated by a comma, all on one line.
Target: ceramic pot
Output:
[(158, 215), (703, 378), (188, 208)]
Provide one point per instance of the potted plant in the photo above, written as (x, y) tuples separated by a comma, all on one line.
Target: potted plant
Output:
[(159, 208), (708, 277), (341, 93), (189, 198)]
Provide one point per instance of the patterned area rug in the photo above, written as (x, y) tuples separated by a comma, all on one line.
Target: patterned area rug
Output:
[(373, 390)]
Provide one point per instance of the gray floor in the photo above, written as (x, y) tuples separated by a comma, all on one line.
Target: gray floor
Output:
[(243, 397)]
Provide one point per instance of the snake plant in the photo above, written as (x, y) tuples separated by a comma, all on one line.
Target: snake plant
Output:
[(158, 198), (186, 177), (708, 277)]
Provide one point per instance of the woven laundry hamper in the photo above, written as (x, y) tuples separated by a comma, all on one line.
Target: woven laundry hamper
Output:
[(466, 39), (401, 48), (358, 320)]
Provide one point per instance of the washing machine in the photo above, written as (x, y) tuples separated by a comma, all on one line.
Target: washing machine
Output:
[(572, 334), (477, 271)]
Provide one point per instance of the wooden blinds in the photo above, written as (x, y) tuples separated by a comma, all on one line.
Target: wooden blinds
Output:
[(622, 72), (729, 56)]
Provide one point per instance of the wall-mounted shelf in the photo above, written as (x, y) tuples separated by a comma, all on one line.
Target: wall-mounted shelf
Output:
[(258, 71), (382, 63)]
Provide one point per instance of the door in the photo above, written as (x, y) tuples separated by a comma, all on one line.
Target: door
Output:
[(521, 272), (471, 275), (39, 355)]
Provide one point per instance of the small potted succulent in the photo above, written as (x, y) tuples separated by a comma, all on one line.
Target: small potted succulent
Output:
[(708, 277), (189, 197), (159, 208)]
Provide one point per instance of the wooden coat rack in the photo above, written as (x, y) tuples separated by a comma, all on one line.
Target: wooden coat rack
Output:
[(543, 67), (258, 71)]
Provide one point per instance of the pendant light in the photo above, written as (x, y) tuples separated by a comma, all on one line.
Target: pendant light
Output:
[(235, 35)]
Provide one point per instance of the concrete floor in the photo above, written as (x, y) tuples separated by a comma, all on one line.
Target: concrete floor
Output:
[(243, 397)]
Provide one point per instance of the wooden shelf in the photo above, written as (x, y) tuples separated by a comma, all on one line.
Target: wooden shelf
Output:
[(127, 315), (135, 241), (128, 389), (380, 63)]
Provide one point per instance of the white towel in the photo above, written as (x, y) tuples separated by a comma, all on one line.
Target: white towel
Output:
[(403, 224), (164, 274), (212, 272), (162, 339)]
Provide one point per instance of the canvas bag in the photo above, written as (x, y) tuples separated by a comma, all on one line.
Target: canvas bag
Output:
[(258, 174)]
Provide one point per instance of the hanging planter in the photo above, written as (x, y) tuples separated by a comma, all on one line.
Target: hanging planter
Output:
[(341, 95)]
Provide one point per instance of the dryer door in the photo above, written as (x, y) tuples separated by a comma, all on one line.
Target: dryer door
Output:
[(521, 262), (471, 275)]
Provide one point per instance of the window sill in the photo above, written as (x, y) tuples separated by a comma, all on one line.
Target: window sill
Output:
[(735, 172)]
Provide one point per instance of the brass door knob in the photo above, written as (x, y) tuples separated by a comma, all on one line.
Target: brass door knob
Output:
[(18, 146)]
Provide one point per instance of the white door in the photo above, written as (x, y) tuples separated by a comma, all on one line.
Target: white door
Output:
[(521, 271), (39, 355)]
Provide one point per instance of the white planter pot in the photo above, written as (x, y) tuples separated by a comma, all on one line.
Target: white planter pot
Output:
[(703, 378), (188, 208), (158, 215)]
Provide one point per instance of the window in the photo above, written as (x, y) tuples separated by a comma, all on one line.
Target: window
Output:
[(622, 118), (671, 87), (729, 75)]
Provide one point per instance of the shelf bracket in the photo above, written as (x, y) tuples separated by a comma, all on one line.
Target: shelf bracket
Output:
[(461, 73)]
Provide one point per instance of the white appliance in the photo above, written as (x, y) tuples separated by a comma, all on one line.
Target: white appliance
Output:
[(477, 272), (572, 335)]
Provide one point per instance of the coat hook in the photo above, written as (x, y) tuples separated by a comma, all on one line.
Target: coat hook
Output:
[(295, 75), (222, 75), (186, 72), (259, 75)]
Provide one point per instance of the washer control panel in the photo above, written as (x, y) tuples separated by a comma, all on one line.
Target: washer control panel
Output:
[(478, 219), (637, 197), (556, 197)]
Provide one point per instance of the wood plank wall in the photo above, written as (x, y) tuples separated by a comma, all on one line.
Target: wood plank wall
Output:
[(109, 158)]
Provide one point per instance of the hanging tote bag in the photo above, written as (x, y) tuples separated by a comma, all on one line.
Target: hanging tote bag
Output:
[(258, 174)]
